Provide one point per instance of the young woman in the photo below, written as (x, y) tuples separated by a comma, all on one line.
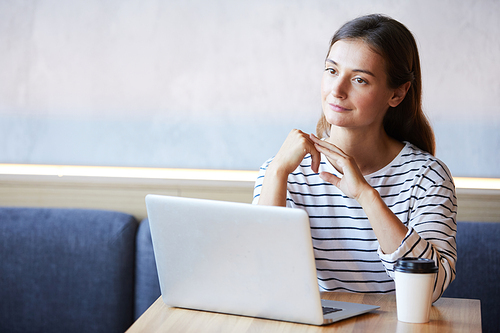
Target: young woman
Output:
[(369, 181)]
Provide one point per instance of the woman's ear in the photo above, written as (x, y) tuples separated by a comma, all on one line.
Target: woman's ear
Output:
[(399, 94)]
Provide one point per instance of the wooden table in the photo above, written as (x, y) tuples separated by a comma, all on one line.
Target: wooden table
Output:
[(447, 315)]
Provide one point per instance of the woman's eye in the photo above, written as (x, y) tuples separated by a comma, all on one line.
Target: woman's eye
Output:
[(359, 80), (331, 71)]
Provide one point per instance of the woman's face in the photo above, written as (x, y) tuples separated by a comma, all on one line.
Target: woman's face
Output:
[(354, 90)]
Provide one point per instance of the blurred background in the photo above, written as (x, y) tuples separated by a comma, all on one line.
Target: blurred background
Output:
[(219, 84)]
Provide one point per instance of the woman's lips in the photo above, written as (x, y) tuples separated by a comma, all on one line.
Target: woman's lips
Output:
[(338, 108)]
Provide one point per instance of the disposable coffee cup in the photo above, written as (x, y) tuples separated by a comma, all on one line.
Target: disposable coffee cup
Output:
[(415, 278)]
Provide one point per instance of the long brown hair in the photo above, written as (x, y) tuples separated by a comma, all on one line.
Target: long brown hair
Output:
[(395, 43)]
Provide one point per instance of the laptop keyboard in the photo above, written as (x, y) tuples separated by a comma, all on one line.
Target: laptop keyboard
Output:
[(327, 310)]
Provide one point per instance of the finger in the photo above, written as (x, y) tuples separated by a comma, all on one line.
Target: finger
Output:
[(315, 159), (330, 178), (314, 138), (337, 156), (327, 145)]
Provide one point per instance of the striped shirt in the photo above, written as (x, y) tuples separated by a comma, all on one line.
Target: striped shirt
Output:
[(417, 188)]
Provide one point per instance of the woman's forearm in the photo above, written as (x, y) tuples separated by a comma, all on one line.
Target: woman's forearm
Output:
[(273, 192), (388, 228)]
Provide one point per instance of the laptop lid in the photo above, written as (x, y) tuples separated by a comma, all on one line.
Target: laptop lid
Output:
[(235, 258)]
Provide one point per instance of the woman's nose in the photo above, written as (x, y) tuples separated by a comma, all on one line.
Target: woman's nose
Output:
[(339, 87)]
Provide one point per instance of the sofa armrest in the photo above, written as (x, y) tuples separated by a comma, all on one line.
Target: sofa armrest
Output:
[(478, 269), (147, 287), (66, 270)]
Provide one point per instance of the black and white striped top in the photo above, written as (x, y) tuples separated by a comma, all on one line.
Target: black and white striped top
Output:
[(416, 186)]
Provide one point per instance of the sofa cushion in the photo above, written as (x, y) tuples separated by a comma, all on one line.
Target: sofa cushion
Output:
[(147, 287), (478, 269), (66, 270)]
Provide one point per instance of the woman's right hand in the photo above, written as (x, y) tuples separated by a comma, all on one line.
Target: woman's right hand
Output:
[(296, 146)]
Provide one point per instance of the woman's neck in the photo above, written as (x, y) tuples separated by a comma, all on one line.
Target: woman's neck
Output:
[(371, 150)]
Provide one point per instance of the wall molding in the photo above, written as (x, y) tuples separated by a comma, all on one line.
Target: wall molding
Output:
[(113, 189)]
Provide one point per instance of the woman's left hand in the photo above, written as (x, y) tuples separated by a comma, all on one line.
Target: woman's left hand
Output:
[(352, 184)]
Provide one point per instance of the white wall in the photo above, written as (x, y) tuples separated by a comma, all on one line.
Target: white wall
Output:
[(219, 84)]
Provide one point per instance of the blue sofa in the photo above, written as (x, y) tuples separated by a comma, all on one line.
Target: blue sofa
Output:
[(478, 269), (75, 270), (71, 270)]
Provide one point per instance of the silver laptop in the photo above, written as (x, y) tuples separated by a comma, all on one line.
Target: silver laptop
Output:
[(239, 259)]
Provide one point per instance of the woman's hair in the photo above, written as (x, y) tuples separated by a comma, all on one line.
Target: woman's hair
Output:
[(395, 43)]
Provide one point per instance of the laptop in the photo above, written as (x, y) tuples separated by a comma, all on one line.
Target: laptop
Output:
[(239, 259)]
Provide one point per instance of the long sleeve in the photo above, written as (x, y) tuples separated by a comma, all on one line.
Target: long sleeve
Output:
[(259, 181), (431, 233)]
